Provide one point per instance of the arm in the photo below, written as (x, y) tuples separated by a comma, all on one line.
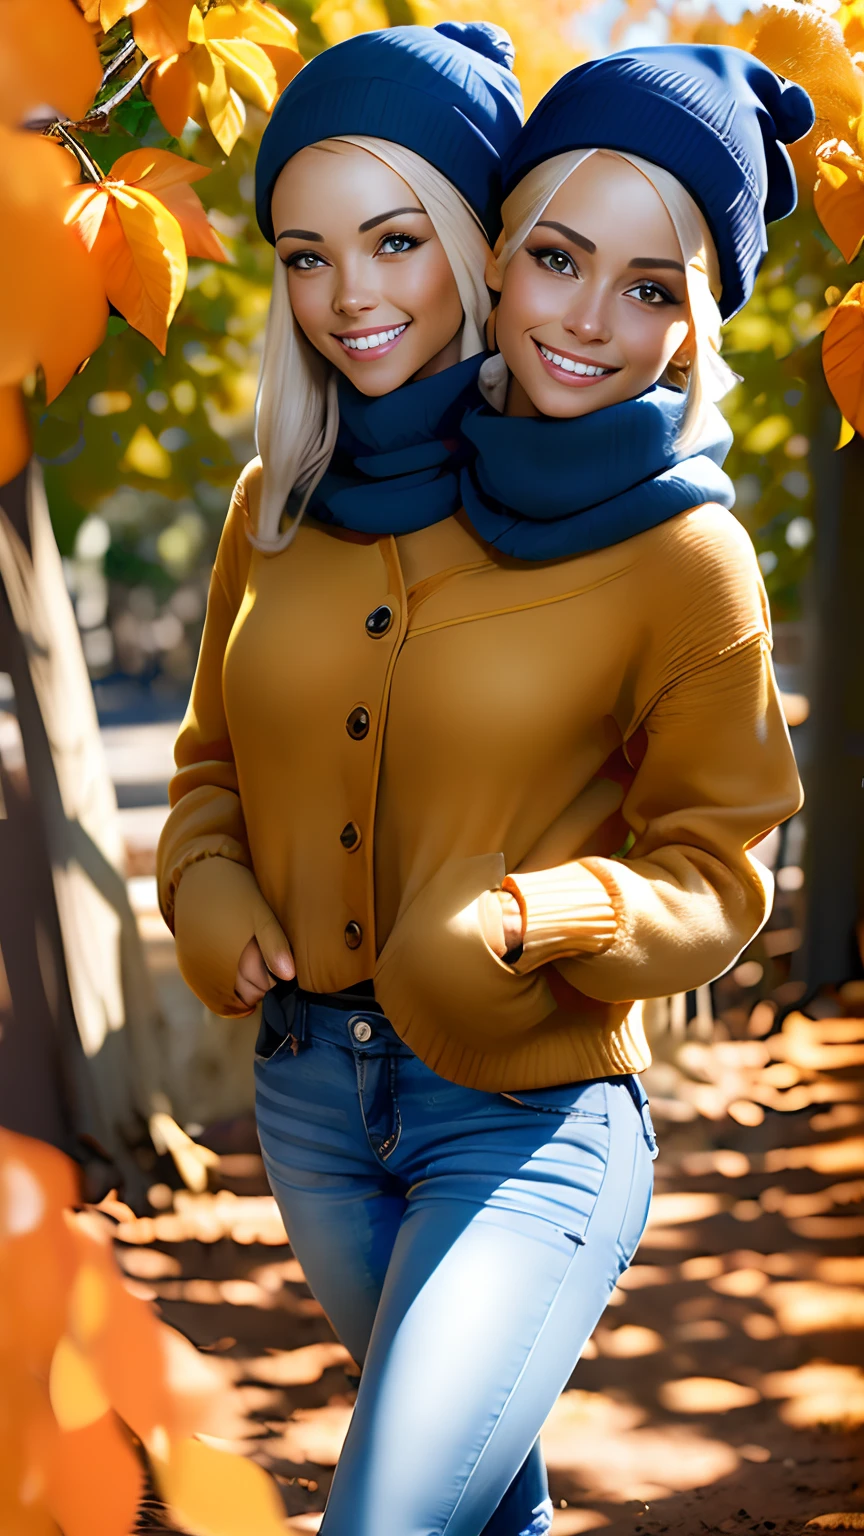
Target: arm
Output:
[(716, 775), (207, 891)]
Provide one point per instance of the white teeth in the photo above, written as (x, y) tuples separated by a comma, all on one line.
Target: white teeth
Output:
[(364, 343), (569, 366)]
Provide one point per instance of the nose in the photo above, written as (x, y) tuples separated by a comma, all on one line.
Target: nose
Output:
[(354, 294), (589, 316)]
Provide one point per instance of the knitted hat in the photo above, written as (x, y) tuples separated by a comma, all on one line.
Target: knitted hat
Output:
[(715, 118), (448, 93)]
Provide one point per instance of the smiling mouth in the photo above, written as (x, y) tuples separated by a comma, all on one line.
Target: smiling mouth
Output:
[(572, 370), (369, 344)]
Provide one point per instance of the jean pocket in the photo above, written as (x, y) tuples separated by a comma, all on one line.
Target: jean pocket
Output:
[(275, 1031), (572, 1101)]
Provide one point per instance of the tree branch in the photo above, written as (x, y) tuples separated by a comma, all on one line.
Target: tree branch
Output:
[(87, 163), (105, 108)]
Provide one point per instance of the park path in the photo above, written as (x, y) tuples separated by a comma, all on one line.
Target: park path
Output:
[(724, 1389)]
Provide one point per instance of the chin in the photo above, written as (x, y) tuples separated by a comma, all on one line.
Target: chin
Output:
[(374, 379)]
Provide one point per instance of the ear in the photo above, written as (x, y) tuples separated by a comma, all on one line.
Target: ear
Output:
[(493, 275), (686, 353)]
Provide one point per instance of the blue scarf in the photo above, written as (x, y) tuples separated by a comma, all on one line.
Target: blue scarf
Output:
[(542, 489), (396, 464)]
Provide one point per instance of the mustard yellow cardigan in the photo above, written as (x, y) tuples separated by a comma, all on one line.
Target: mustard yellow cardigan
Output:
[(363, 759)]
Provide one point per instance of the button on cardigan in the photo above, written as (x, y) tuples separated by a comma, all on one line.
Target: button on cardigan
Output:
[(603, 733)]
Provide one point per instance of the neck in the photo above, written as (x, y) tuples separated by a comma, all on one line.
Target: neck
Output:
[(518, 402), (444, 359)]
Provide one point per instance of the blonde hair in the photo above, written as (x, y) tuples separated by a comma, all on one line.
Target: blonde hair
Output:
[(297, 407), (709, 378)]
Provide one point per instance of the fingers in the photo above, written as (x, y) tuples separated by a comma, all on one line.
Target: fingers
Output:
[(252, 980), (275, 949)]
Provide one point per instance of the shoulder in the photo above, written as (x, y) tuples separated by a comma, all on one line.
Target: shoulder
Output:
[(247, 495), (705, 585)]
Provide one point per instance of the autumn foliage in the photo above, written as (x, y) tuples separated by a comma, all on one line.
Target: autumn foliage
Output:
[(94, 1390), (74, 240)]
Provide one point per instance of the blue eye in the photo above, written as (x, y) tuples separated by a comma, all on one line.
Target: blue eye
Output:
[(397, 245)]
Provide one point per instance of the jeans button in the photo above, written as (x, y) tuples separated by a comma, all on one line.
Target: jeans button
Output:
[(362, 1030)]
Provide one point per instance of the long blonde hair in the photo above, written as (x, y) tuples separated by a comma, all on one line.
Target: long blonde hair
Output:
[(297, 409), (709, 378)]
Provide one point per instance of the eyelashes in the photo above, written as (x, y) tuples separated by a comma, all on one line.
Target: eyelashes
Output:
[(397, 243)]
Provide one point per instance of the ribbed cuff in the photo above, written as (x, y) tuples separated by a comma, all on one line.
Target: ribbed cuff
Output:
[(568, 911)]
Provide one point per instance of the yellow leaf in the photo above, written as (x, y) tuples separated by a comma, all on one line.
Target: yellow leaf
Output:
[(76, 1394), (146, 456), (838, 198), (846, 433), (215, 1493), (843, 356), (47, 59), (341, 19), (223, 107), (253, 20), (112, 11), (248, 70)]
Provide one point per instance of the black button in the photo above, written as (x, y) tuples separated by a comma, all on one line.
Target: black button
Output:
[(379, 621), (357, 724), (353, 935), (349, 837)]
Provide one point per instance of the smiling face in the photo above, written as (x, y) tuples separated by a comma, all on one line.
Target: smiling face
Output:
[(594, 303), (369, 283)]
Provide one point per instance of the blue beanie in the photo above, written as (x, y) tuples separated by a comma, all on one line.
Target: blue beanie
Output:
[(715, 118), (448, 93)]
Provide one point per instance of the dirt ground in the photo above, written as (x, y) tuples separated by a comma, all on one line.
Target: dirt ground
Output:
[(724, 1389)]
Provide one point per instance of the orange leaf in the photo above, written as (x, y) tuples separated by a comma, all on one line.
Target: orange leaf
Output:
[(98, 1457), (167, 177), (112, 11), (15, 447), (140, 250), (843, 356), (161, 27), (46, 59), (52, 303), (286, 62), (838, 198), (173, 89)]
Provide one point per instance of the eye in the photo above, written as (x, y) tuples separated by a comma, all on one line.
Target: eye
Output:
[(305, 261), (653, 293), (397, 245), (556, 261)]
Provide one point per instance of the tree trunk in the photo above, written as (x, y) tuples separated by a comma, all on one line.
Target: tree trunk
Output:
[(834, 769), (81, 1047)]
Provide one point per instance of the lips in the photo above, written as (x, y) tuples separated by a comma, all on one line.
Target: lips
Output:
[(371, 344), (571, 370)]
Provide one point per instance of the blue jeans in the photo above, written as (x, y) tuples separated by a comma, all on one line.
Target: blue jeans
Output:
[(463, 1244)]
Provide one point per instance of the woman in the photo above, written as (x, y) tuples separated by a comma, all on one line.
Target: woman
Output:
[(582, 739)]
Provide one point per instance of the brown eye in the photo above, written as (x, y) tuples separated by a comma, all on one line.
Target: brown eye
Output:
[(556, 261), (653, 294)]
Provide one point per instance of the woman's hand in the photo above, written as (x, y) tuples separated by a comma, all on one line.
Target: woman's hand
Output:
[(255, 975), (501, 921)]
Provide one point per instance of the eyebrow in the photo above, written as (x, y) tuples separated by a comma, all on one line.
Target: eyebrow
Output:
[(300, 234), (655, 261), (569, 234), (383, 217)]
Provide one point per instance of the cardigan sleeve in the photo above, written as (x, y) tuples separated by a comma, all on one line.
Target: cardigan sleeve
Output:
[(717, 773), (217, 913)]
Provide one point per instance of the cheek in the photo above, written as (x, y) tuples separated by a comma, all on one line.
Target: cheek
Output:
[(428, 289), (309, 301), (650, 339), (528, 300)]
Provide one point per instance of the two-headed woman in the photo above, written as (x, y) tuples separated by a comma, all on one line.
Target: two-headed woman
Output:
[(484, 722)]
